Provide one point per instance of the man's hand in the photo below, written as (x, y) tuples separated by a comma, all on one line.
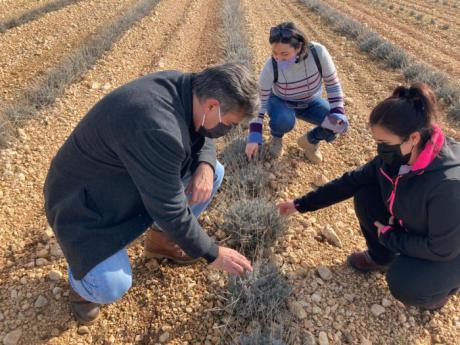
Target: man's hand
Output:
[(200, 186), (286, 208), (251, 150), (231, 261), (381, 229)]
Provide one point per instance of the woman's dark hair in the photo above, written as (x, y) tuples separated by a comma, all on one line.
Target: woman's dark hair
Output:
[(288, 33), (407, 110)]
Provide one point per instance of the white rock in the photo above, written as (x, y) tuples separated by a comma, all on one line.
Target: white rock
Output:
[(324, 272), (316, 297), (42, 253), (82, 330), (386, 302), (22, 134), (13, 337), (55, 275), (107, 86), (164, 337), (377, 309), (322, 338), (95, 85), (319, 180), (57, 290), (330, 235), (297, 310), (41, 262), (41, 302)]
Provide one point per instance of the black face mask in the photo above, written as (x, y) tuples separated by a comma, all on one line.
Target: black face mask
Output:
[(392, 155), (216, 132)]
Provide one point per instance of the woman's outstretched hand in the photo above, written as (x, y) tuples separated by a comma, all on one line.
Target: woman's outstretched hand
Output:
[(286, 208)]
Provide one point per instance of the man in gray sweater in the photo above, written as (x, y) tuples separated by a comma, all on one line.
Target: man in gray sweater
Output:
[(144, 157)]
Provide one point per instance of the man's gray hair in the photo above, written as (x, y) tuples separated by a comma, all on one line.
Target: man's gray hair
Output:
[(232, 84)]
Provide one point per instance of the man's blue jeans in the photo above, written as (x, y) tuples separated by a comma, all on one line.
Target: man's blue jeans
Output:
[(283, 116), (110, 279)]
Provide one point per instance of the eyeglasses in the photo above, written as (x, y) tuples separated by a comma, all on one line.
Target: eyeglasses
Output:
[(281, 33)]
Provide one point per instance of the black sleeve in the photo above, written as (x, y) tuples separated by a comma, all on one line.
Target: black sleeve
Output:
[(443, 240), (207, 154), (339, 189), (153, 160)]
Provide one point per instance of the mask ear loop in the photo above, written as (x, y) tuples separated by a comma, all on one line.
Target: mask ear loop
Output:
[(204, 116)]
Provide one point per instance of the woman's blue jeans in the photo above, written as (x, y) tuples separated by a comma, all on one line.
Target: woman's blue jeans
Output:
[(283, 115)]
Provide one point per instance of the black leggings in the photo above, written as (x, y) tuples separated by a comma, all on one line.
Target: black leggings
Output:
[(411, 280)]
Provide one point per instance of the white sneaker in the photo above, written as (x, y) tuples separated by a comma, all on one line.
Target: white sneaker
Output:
[(311, 150)]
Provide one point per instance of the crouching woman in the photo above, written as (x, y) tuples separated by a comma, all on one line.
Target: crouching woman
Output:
[(407, 200)]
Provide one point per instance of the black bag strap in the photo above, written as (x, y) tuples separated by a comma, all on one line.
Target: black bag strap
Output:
[(275, 70), (315, 57)]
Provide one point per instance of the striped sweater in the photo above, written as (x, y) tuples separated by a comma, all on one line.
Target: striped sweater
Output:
[(301, 83)]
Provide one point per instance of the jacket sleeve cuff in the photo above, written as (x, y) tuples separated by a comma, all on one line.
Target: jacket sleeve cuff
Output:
[(300, 206), (255, 137), (212, 253)]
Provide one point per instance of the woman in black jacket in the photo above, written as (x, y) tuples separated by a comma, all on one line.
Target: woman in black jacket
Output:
[(407, 200)]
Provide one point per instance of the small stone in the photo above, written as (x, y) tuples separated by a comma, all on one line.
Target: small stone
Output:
[(22, 134), (42, 253), (164, 337), (330, 235), (322, 338), (21, 177), (55, 275), (41, 262), (188, 310), (82, 330), (320, 180), (107, 86), (138, 338), (54, 332), (55, 250), (23, 280), (161, 64), (402, 318), (297, 310), (316, 298), (13, 337), (324, 272), (309, 338), (57, 290), (386, 302), (40, 302), (95, 86), (377, 309)]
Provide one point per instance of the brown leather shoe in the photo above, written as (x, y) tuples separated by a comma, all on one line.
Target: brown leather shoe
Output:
[(158, 245), (363, 262), (85, 312)]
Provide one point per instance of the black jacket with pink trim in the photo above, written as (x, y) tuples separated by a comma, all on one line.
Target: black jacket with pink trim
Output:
[(425, 202)]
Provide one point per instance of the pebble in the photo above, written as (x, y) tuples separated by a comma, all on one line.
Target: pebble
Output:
[(322, 338), (330, 235), (40, 302), (386, 302), (320, 180), (56, 251), (82, 330), (42, 253), (309, 338), (324, 272), (13, 337), (296, 309), (189, 310), (377, 309), (316, 297), (164, 337), (55, 275), (41, 262)]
